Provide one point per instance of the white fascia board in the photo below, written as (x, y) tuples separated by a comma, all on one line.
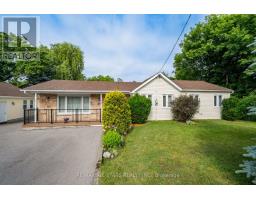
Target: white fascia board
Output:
[(171, 82), (152, 78), (14, 97), (191, 90)]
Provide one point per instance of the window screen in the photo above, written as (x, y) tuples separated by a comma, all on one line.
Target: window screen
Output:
[(164, 100)]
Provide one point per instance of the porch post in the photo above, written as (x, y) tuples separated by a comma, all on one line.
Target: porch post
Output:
[(35, 108), (100, 107)]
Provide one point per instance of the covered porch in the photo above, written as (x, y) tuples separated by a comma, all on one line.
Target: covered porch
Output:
[(65, 108)]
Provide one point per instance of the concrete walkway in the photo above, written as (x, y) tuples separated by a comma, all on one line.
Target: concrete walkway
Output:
[(48, 156)]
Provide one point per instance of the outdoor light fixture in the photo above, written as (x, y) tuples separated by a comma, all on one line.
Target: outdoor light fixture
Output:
[(156, 102)]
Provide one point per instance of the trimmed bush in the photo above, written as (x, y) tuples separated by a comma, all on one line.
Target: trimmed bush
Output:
[(140, 108), (116, 112), (229, 109), (184, 108), (111, 139), (243, 107)]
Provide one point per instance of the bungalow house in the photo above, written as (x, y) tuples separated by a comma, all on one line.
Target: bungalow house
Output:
[(12, 103), (60, 100)]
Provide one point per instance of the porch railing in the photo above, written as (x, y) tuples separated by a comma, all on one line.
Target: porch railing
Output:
[(61, 115)]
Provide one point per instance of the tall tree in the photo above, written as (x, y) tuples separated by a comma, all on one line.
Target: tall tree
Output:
[(252, 68), (68, 60), (216, 50), (36, 71), (6, 67), (101, 78)]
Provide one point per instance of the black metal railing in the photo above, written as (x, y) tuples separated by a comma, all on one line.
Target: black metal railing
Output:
[(61, 115)]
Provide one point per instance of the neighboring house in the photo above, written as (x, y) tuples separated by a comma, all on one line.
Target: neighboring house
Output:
[(12, 102), (59, 99)]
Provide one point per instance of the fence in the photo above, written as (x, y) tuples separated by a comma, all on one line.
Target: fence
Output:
[(62, 115)]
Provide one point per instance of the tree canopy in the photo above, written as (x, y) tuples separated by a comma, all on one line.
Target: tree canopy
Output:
[(68, 61), (101, 78), (216, 50), (59, 61)]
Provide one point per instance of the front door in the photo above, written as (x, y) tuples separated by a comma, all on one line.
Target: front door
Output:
[(3, 117)]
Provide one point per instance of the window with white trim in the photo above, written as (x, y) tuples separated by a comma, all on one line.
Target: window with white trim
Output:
[(196, 96), (67, 104), (31, 104), (220, 100), (86, 102), (167, 100), (62, 104), (74, 103), (25, 105), (217, 100)]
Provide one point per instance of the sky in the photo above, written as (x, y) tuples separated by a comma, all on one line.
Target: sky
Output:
[(130, 47)]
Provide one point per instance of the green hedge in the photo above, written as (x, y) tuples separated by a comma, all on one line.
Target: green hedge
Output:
[(229, 111), (242, 108), (116, 112), (140, 108), (237, 109)]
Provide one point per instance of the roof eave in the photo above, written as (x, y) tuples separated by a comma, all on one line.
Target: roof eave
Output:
[(73, 91), (152, 78), (198, 90)]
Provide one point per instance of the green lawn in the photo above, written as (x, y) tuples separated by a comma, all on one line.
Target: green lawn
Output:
[(168, 152)]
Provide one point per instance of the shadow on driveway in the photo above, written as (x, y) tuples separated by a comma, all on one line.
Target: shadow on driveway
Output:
[(48, 156)]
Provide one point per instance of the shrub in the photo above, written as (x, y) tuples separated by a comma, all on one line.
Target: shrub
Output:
[(243, 107), (111, 139), (116, 112), (184, 108), (140, 108), (229, 109)]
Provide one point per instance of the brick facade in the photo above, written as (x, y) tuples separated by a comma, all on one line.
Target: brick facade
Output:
[(46, 102)]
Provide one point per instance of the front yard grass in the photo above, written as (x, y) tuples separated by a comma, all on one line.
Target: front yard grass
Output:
[(169, 152)]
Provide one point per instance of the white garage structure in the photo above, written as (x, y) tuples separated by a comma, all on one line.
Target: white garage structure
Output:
[(161, 90), (12, 103)]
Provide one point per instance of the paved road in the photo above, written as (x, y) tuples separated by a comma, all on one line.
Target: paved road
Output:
[(49, 156)]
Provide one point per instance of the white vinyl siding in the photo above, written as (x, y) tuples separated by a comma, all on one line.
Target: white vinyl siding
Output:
[(157, 88), (160, 87), (14, 107)]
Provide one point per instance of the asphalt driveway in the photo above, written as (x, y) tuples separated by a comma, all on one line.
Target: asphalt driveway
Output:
[(49, 156)]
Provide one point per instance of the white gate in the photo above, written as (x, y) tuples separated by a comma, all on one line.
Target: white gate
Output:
[(3, 116)]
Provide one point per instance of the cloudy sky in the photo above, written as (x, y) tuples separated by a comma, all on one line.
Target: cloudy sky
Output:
[(131, 47)]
